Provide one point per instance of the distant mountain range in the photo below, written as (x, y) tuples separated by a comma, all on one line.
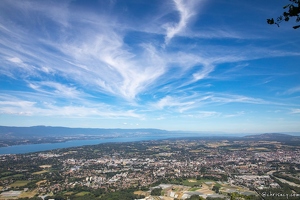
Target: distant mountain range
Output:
[(53, 131), (48, 134), (50, 131)]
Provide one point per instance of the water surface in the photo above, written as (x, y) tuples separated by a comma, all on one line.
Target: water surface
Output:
[(29, 148)]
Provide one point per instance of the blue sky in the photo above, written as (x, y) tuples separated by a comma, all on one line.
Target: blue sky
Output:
[(195, 65)]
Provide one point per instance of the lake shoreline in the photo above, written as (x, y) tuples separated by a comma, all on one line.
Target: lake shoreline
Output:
[(32, 148)]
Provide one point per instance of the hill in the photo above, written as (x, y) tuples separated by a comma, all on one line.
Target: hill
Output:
[(48, 134), (50, 131), (273, 137)]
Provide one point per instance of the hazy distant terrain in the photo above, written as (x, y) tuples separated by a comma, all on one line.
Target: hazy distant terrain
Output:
[(45, 134), (48, 134), (49, 131)]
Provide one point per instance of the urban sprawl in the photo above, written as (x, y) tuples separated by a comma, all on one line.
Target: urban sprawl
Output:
[(152, 170)]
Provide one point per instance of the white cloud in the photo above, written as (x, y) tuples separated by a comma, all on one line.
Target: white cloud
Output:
[(186, 10), (110, 66), (15, 60), (16, 106), (235, 114), (293, 90), (187, 102), (169, 102), (55, 88), (232, 98), (204, 114), (97, 56), (92, 51), (203, 73), (52, 10), (295, 111)]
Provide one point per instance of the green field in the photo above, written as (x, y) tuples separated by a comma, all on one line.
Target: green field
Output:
[(68, 193), (40, 172), (6, 173), (194, 189), (13, 176), (193, 182), (80, 194), (19, 183)]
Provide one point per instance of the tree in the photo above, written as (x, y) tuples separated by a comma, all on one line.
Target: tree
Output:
[(156, 191), (293, 11), (216, 188)]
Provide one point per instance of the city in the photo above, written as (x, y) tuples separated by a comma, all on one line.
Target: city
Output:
[(180, 168)]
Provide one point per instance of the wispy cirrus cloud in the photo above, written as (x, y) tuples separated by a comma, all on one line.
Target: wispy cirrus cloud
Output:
[(293, 90), (169, 101), (57, 89), (98, 56), (15, 60), (36, 107), (224, 98), (203, 114), (65, 59), (189, 103), (237, 114), (111, 67), (186, 11), (295, 111)]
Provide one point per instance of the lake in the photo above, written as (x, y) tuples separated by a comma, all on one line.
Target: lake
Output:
[(29, 148)]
